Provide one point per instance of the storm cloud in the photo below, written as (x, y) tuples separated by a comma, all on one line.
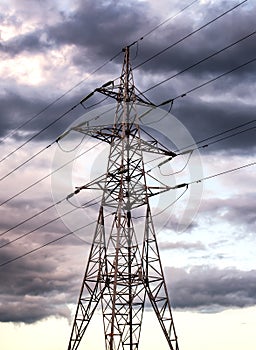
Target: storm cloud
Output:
[(211, 289), (48, 53)]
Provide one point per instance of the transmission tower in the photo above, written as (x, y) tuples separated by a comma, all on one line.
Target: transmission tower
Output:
[(122, 273)]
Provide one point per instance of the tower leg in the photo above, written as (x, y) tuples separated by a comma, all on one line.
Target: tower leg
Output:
[(155, 283), (93, 285)]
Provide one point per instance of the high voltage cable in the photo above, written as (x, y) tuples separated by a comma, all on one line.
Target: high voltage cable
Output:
[(203, 60), (228, 136), (176, 151), (46, 176), (222, 173), (33, 216), (43, 149), (219, 134), (164, 22), (42, 130), (161, 104), (38, 133), (147, 90), (201, 85), (64, 114), (48, 243), (60, 97), (85, 205), (178, 186), (188, 35), (93, 72)]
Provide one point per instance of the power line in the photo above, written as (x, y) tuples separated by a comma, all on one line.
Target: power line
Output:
[(46, 176), (64, 114), (164, 22), (227, 137), (42, 130), (60, 97), (176, 187), (203, 60), (222, 173), (50, 242), (218, 140), (201, 85), (90, 74), (219, 134), (33, 216), (43, 149), (163, 103), (188, 35), (176, 151), (218, 77), (85, 205)]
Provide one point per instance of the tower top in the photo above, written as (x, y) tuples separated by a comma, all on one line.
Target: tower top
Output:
[(125, 91)]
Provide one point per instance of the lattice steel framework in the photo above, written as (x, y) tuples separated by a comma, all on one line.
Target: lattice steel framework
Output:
[(121, 274)]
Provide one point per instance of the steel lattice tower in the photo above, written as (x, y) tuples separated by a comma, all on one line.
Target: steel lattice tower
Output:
[(121, 274)]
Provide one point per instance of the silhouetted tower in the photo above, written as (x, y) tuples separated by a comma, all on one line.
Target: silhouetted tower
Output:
[(124, 273)]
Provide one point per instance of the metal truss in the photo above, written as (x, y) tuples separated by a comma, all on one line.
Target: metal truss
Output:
[(123, 272)]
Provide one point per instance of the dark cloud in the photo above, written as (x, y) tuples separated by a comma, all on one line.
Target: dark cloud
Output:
[(89, 28), (211, 289), (40, 285), (31, 43), (238, 210), (38, 288), (212, 118)]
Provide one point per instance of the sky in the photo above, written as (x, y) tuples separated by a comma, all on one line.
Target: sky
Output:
[(50, 54)]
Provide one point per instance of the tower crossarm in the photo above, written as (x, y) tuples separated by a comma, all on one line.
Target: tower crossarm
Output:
[(110, 133), (118, 97)]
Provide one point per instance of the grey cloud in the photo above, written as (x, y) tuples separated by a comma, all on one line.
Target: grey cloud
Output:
[(30, 309), (32, 43), (182, 245), (92, 45), (211, 289), (37, 288), (239, 210)]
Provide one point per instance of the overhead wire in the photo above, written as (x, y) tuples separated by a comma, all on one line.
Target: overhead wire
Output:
[(156, 166), (234, 134), (220, 134), (49, 145), (85, 205), (50, 174), (64, 114), (203, 84), (183, 96), (196, 144), (82, 81), (48, 243), (190, 34), (178, 186), (222, 173), (60, 97), (162, 23), (42, 130), (202, 60), (69, 233), (33, 216)]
